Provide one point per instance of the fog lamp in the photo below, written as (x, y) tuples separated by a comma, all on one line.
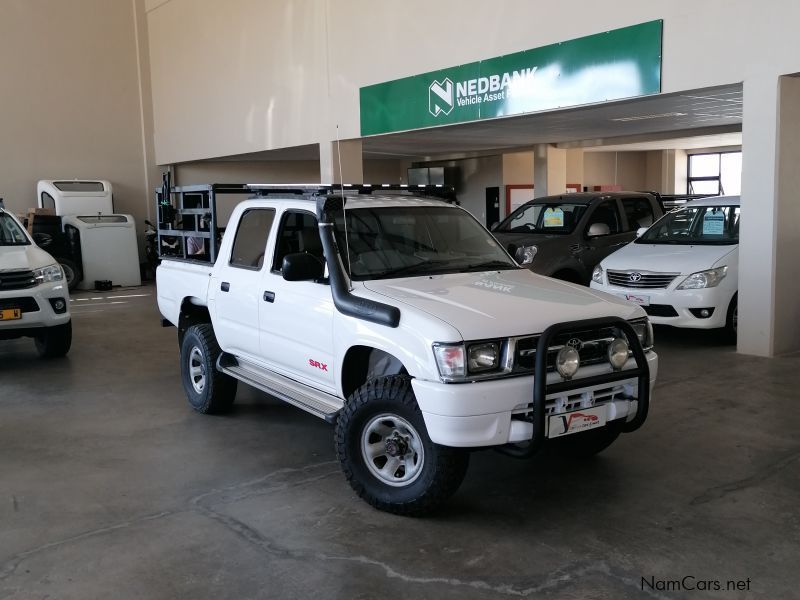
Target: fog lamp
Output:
[(567, 362)]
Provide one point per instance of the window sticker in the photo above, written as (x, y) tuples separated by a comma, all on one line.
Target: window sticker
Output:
[(714, 222), (554, 217)]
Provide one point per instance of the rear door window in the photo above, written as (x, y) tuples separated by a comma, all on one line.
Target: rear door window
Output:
[(251, 238)]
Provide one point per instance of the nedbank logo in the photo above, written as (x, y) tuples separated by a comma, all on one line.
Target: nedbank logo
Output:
[(440, 97), (444, 95)]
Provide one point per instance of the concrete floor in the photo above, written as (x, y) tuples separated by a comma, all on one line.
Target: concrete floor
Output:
[(111, 487)]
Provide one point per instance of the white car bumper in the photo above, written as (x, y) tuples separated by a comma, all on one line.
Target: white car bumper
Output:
[(675, 307), (36, 306), (482, 413)]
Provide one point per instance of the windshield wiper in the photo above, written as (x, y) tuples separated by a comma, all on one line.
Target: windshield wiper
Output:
[(422, 267), (489, 265)]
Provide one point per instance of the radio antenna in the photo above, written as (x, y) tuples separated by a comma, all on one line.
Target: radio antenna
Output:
[(344, 213)]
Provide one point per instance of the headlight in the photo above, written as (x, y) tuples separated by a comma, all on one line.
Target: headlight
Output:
[(450, 360), (525, 254), (597, 274), (483, 357), (567, 362), (704, 279), (618, 353), (48, 273), (644, 331)]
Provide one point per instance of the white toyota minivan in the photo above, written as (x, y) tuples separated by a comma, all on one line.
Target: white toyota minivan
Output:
[(683, 270)]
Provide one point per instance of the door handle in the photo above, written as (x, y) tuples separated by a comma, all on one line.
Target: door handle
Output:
[(225, 286), (269, 296)]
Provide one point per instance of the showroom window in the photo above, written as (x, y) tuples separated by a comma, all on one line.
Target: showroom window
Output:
[(251, 238), (715, 174)]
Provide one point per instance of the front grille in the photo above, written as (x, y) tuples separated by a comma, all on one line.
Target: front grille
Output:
[(25, 304), (16, 280), (660, 310), (593, 348), (638, 280)]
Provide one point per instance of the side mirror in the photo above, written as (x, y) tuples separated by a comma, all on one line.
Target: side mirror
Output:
[(493, 226), (598, 230), (640, 231), (302, 266)]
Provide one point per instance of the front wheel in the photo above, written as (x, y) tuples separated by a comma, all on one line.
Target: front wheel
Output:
[(732, 321), (208, 390), (387, 455), (54, 342)]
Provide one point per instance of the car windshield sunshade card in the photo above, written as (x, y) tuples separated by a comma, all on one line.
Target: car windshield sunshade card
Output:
[(714, 222), (554, 217)]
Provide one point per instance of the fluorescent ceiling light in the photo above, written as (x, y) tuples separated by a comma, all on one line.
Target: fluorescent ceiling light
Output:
[(659, 116)]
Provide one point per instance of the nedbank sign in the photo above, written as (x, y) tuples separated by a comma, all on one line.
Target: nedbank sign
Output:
[(617, 64)]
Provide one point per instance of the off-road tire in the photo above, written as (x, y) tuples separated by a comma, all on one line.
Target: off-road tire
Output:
[(218, 391), (442, 470), (54, 342), (588, 443)]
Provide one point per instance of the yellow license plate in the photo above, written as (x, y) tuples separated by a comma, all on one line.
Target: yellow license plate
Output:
[(9, 314)]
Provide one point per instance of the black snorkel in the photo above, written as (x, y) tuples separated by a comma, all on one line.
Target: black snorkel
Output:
[(347, 303)]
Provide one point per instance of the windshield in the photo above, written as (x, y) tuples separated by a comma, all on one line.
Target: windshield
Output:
[(696, 225), (406, 241), (543, 218), (11, 234)]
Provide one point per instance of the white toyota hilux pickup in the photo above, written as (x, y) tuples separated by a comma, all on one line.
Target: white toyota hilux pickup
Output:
[(34, 299), (403, 322)]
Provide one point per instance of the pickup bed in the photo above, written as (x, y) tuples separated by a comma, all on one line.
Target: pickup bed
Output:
[(401, 320)]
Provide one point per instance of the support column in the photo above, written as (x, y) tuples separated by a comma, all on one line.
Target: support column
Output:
[(786, 325), (769, 275), (549, 170), (352, 162), (574, 167)]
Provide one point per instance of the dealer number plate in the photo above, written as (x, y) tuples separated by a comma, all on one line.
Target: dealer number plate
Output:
[(576, 421), (636, 299), (10, 314)]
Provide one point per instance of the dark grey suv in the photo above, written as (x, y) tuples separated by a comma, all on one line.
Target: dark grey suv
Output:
[(566, 236)]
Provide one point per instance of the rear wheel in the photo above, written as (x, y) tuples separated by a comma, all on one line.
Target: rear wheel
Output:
[(386, 454), (54, 342), (208, 390), (589, 443)]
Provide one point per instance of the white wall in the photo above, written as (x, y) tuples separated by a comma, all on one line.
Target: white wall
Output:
[(627, 169), (69, 99), (242, 76)]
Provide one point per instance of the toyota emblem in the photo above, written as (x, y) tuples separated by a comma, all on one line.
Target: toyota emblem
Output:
[(635, 277), (575, 343)]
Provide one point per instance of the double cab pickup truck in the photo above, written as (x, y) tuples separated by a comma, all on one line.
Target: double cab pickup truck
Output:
[(399, 319), (34, 299)]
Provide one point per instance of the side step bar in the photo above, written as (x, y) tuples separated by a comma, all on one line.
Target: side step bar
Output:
[(323, 405)]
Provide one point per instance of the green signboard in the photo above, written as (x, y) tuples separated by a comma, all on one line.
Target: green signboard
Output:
[(622, 63)]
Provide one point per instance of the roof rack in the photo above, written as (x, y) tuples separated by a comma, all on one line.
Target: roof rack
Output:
[(181, 209)]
